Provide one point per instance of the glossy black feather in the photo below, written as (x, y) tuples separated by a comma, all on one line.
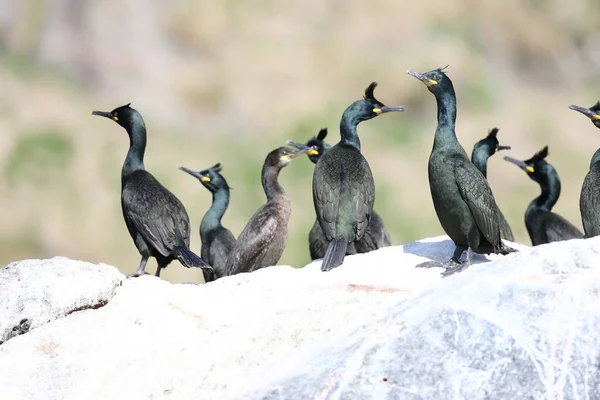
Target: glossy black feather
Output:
[(343, 193), (542, 224), (589, 202), (154, 212), (482, 151), (546, 227), (217, 241), (156, 220), (462, 198)]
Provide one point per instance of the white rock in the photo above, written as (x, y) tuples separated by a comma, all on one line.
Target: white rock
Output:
[(34, 292), (283, 328)]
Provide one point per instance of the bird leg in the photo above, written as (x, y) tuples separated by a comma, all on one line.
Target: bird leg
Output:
[(141, 269), (459, 266), (159, 268), (452, 263)]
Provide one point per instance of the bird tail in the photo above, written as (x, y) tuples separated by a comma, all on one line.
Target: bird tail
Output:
[(190, 260), (504, 249), (334, 257)]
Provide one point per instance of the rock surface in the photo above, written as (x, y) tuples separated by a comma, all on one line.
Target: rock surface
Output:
[(523, 326), (35, 292)]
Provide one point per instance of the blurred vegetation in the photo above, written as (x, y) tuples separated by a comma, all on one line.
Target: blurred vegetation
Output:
[(229, 81)]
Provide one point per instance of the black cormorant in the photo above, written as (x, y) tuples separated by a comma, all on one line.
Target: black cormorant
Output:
[(374, 238), (543, 225), (263, 240), (155, 218), (590, 191), (343, 186), (482, 151), (217, 241), (462, 198)]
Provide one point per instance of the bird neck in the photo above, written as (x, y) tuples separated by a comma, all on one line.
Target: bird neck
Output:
[(480, 161), (212, 218), (348, 131), (550, 193), (446, 115), (270, 182), (137, 146), (595, 158)]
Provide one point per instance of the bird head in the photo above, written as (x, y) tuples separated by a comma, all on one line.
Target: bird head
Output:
[(210, 178), (490, 145), (368, 107), (435, 80), (282, 156), (319, 147), (536, 167), (593, 113), (125, 116)]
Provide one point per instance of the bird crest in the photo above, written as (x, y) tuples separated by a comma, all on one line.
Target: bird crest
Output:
[(322, 134), (443, 69), (539, 156), (369, 95), (493, 133), (216, 168)]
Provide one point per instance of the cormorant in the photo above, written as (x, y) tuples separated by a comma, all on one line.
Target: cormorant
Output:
[(263, 240), (343, 186), (543, 225), (462, 198), (155, 218), (376, 235), (217, 241), (483, 150), (590, 191)]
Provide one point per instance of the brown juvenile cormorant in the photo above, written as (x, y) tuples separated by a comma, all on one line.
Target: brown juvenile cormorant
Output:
[(462, 198), (543, 225), (482, 151), (155, 218), (590, 191), (343, 186), (217, 241), (374, 238), (263, 240)]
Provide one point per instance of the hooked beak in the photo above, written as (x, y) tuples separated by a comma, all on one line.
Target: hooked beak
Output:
[(519, 164), (105, 115), (585, 111), (311, 151), (428, 82), (195, 174), (302, 149), (385, 109), (499, 147)]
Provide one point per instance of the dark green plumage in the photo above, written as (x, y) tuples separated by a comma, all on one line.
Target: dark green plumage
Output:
[(482, 151), (263, 240), (217, 241), (343, 186), (590, 190), (542, 224), (374, 238), (155, 218), (462, 198)]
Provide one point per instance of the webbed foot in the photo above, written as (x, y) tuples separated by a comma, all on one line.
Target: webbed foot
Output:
[(430, 264), (137, 273), (451, 270), (436, 264)]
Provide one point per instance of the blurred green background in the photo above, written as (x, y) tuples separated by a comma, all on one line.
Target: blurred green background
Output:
[(227, 81)]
